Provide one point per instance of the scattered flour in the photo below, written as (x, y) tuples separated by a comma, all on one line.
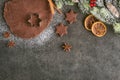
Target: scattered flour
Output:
[(47, 35)]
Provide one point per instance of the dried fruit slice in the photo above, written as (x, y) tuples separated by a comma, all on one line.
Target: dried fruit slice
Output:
[(99, 29), (89, 22)]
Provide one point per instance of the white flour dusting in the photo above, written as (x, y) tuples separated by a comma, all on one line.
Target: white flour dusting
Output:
[(47, 35)]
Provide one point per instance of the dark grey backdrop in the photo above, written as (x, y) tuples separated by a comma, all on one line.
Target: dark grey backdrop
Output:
[(91, 58)]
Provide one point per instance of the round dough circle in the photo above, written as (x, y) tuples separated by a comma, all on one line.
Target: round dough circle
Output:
[(18, 12)]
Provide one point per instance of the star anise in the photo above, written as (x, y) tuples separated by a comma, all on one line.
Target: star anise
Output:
[(61, 30), (11, 44), (67, 47), (71, 16)]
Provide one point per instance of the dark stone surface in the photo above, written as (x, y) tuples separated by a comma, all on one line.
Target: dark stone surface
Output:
[(91, 58)]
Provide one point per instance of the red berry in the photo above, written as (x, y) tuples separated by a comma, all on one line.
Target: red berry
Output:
[(92, 4)]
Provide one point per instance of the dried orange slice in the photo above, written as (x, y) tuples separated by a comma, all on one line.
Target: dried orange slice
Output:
[(99, 29), (89, 22)]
